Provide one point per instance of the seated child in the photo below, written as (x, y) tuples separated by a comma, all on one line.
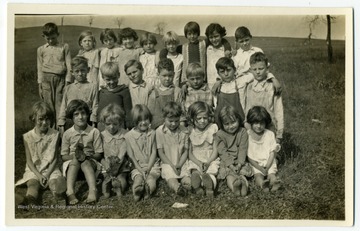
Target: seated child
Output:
[(81, 148), (232, 146), (116, 166), (87, 42), (173, 147), (260, 92), (171, 41), (42, 156), (139, 89), (127, 39), (262, 148), (81, 89), (203, 156), (114, 93), (148, 58), (163, 93), (141, 149)]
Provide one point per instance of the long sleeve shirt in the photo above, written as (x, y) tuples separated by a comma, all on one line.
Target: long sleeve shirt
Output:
[(54, 59)]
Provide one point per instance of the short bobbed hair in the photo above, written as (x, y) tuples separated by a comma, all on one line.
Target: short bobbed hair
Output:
[(41, 108), (85, 34), (215, 27), (147, 37), (171, 37), (76, 105), (106, 34), (127, 32), (139, 113), (199, 107), (258, 114), (113, 112), (229, 113), (191, 27)]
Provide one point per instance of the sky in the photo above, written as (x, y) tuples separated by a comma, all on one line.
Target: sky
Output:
[(260, 25)]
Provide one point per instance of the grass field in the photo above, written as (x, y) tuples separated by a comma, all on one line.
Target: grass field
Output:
[(312, 164)]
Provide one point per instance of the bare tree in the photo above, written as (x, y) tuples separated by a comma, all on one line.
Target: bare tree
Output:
[(91, 20), (119, 21), (312, 21), (160, 28)]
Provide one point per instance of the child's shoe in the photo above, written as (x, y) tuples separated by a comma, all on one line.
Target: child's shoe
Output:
[(195, 180), (208, 184), (117, 188)]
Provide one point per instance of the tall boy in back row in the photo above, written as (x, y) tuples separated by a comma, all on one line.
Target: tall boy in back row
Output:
[(53, 68)]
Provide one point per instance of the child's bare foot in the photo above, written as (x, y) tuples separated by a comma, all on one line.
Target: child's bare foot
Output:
[(91, 199), (181, 191), (72, 200), (244, 186), (236, 187), (147, 192), (266, 185), (208, 184), (138, 191), (276, 186)]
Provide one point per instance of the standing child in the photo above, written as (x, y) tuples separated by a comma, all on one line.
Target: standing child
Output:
[(42, 156), (114, 93), (243, 40), (197, 89), (262, 148), (111, 52), (173, 147), (164, 92), (81, 148), (141, 148), (171, 41), (87, 42), (139, 89), (218, 47), (115, 163), (260, 92), (53, 68), (127, 39), (80, 89), (232, 146), (203, 156), (148, 58)]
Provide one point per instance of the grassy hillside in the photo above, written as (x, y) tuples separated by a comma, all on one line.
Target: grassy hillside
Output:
[(312, 164)]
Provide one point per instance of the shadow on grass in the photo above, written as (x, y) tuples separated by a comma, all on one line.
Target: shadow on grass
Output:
[(289, 150)]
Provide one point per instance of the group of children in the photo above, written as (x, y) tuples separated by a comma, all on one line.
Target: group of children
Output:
[(193, 114)]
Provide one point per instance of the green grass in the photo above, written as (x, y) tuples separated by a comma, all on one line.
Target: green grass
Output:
[(312, 160)]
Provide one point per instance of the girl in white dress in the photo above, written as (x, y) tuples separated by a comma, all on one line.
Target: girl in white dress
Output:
[(262, 149), (203, 155), (42, 155)]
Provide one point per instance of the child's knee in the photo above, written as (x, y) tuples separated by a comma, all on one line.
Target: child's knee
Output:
[(34, 184), (58, 185)]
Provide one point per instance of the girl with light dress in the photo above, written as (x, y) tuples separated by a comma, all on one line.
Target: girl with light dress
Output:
[(141, 149), (116, 166), (262, 149), (42, 156), (203, 156), (148, 58), (87, 43)]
